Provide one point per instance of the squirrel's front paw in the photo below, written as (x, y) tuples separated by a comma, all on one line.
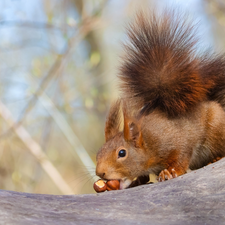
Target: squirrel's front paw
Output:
[(166, 175)]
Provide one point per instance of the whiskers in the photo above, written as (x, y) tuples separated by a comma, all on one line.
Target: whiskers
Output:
[(84, 180)]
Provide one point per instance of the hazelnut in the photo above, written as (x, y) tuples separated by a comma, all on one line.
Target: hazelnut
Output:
[(112, 185), (99, 186)]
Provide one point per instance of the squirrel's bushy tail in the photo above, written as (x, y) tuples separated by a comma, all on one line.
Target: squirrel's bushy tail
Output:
[(213, 71), (160, 68)]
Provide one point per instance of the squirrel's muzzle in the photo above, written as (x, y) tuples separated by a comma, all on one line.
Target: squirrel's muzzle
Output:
[(100, 172)]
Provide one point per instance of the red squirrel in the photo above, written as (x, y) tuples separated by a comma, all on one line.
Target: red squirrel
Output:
[(172, 100)]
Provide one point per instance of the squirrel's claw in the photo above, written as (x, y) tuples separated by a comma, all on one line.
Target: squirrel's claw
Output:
[(174, 174), (217, 159), (166, 175)]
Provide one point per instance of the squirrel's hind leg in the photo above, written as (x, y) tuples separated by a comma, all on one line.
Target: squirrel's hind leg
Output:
[(216, 159)]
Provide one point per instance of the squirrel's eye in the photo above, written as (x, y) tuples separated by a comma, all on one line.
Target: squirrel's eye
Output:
[(122, 153)]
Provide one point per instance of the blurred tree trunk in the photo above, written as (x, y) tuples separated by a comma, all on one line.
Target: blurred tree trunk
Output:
[(95, 57)]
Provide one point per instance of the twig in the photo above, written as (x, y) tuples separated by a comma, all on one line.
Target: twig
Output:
[(78, 148), (36, 150), (218, 6), (31, 24), (87, 26)]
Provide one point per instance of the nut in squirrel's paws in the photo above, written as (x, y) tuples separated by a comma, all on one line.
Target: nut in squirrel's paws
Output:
[(166, 175), (101, 186)]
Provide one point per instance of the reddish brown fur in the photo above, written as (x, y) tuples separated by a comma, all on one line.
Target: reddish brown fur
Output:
[(160, 69), (213, 72), (173, 116), (132, 129)]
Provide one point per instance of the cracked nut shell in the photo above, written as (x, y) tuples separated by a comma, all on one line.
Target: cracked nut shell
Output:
[(99, 186)]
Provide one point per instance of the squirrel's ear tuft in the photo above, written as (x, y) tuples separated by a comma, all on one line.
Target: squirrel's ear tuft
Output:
[(113, 121), (132, 131)]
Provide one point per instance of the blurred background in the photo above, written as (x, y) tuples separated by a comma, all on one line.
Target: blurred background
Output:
[(59, 61)]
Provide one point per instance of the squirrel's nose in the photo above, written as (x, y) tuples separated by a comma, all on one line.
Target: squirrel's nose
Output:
[(99, 172), (101, 175)]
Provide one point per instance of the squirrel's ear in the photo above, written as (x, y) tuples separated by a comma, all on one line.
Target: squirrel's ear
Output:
[(113, 121), (132, 131)]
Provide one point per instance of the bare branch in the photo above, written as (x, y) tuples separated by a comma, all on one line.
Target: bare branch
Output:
[(32, 25), (60, 61), (36, 150), (77, 146), (194, 198)]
